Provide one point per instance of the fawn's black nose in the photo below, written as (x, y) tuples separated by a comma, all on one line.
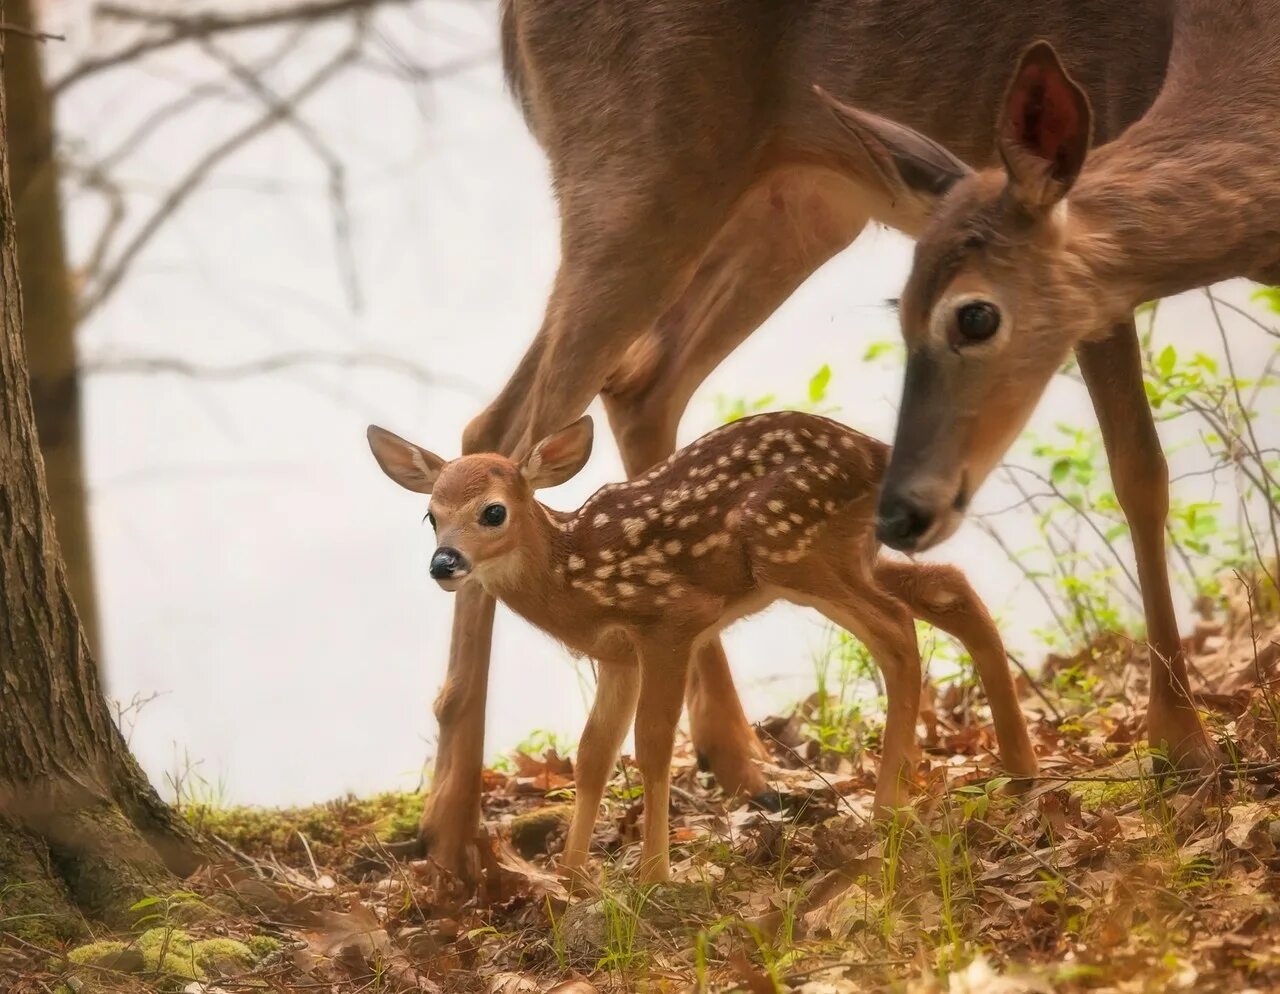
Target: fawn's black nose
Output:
[(901, 522), (447, 563)]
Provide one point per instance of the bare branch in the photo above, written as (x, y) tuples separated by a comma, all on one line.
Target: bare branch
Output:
[(196, 175), (328, 158), (41, 36), (141, 365), (174, 29)]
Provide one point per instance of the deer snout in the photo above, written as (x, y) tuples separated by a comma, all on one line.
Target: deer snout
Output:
[(902, 521), (448, 564)]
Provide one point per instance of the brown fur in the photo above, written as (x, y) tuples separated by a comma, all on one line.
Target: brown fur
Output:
[(776, 506), (700, 182)]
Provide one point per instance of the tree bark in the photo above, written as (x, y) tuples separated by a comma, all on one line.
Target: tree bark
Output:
[(49, 307), (82, 831)]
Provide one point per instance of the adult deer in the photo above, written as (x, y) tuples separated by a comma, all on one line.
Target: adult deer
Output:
[(1051, 251), (700, 182), (772, 507)]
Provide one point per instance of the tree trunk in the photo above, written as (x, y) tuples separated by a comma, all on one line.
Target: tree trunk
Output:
[(82, 832), (50, 309)]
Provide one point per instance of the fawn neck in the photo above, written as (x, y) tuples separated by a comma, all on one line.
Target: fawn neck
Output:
[(1190, 195), (534, 586)]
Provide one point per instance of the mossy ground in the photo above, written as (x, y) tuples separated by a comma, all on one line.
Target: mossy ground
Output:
[(1101, 878)]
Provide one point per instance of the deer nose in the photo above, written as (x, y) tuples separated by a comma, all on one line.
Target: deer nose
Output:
[(901, 522), (446, 563)]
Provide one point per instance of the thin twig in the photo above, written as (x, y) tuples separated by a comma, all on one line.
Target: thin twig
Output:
[(196, 175), (140, 365), (41, 36), (179, 28)]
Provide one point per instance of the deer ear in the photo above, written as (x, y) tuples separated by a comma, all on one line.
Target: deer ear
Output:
[(1045, 129), (903, 160), (558, 457), (412, 467)]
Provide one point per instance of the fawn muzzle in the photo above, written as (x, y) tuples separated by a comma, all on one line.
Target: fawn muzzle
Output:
[(449, 567)]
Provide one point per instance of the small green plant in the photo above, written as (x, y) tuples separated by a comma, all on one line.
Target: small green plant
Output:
[(729, 409)]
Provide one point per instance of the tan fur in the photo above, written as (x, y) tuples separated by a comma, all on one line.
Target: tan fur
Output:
[(772, 507), (700, 181)]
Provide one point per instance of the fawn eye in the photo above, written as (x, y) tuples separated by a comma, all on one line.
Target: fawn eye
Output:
[(977, 321), (432, 519), (493, 515)]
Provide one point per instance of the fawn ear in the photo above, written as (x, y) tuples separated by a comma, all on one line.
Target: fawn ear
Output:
[(558, 457), (904, 161), (412, 467), (1045, 129)]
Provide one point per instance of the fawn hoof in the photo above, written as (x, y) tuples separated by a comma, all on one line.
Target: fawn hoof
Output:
[(768, 800)]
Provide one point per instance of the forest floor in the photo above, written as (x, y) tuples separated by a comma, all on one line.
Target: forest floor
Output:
[(1102, 877)]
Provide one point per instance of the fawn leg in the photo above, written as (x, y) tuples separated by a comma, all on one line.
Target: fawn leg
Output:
[(885, 627), (942, 596), (663, 671), (617, 690), (788, 225), (1112, 371)]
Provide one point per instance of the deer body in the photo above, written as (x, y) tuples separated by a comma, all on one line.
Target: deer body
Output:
[(700, 183), (772, 507)]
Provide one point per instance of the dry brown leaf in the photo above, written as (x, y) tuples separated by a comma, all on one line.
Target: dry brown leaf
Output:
[(1244, 819), (357, 943), (537, 881), (512, 983)]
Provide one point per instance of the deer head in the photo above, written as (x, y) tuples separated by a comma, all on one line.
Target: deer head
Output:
[(482, 506), (997, 295)]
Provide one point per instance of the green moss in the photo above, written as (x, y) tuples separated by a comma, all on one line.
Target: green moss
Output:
[(223, 957), (328, 828), (170, 951), (33, 906), (532, 831), (1103, 796), (263, 946), (108, 955)]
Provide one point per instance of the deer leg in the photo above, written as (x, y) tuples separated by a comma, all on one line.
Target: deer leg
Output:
[(941, 596), (1112, 371), (663, 671), (884, 626), (787, 226), (611, 713), (447, 828)]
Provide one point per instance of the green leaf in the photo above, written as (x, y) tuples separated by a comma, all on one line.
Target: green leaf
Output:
[(146, 902), (818, 384), (1167, 361)]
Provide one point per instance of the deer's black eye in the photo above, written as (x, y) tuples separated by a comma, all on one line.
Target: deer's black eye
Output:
[(493, 515), (432, 519), (977, 321)]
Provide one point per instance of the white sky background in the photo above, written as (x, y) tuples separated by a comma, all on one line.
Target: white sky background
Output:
[(255, 567)]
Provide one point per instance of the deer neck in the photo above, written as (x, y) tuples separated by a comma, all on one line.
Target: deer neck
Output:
[(1190, 195)]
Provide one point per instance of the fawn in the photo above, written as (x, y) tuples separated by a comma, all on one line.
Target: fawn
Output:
[(771, 507)]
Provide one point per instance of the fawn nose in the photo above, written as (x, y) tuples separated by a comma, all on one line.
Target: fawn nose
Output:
[(447, 563), (901, 522)]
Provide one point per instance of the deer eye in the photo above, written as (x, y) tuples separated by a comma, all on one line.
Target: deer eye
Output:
[(493, 515), (432, 519), (977, 321)]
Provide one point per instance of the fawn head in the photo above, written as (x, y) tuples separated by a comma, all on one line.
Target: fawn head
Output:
[(996, 297), (482, 506)]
